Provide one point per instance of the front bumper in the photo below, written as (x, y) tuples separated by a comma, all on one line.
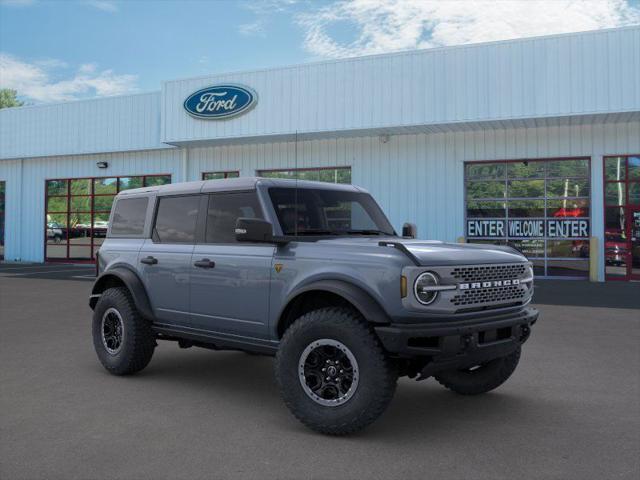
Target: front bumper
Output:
[(449, 345)]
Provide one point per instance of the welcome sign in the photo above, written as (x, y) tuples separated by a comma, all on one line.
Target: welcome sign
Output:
[(219, 102), (528, 228)]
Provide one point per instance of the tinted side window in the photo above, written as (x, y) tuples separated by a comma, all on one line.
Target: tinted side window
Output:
[(176, 219), (129, 215), (224, 211)]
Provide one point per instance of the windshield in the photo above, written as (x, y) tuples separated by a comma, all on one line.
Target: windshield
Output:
[(310, 211)]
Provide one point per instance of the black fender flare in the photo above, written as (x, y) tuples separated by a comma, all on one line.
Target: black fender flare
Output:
[(356, 296), (132, 282)]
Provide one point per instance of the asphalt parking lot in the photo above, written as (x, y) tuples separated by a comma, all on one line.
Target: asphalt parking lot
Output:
[(571, 410)]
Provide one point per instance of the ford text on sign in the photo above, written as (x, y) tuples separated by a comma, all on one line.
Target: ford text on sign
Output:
[(534, 228), (220, 101)]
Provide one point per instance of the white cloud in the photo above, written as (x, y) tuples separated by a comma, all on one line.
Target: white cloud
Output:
[(264, 11), (36, 81), (269, 6), (51, 63), (87, 68), (104, 5), (389, 25), (252, 29)]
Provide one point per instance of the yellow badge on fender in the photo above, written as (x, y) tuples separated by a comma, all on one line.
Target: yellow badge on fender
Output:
[(278, 267)]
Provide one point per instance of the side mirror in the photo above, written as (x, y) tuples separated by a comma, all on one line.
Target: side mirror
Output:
[(253, 230), (409, 230)]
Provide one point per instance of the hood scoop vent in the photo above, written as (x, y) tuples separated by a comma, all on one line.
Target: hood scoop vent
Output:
[(402, 247)]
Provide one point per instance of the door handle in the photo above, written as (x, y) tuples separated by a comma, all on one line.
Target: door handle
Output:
[(204, 263), (149, 260)]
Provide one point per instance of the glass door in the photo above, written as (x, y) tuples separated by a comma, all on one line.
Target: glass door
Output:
[(77, 213), (622, 217), (542, 207), (634, 243)]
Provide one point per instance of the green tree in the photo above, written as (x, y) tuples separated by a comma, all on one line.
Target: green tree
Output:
[(8, 98)]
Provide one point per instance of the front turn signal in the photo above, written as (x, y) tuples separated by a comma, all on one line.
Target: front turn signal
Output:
[(403, 286)]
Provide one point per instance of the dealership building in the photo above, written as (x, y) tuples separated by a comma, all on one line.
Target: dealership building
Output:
[(531, 142)]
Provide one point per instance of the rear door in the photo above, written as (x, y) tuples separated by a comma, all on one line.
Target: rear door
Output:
[(165, 259), (230, 280)]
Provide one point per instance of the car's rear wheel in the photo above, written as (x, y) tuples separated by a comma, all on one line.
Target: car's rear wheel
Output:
[(333, 374), (480, 378), (123, 340)]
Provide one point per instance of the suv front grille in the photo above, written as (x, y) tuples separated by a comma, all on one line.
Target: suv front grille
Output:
[(509, 294), (481, 273)]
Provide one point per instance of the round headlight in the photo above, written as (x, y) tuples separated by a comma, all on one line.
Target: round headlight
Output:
[(423, 288)]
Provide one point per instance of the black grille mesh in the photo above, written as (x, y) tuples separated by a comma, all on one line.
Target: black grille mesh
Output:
[(510, 294), (490, 272)]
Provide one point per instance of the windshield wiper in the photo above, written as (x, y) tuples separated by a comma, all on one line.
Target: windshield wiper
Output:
[(340, 232), (315, 232)]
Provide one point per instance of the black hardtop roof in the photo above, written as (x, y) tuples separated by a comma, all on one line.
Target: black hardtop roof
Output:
[(235, 184)]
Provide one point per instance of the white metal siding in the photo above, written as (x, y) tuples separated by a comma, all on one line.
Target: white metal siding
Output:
[(417, 177), (90, 126), (547, 77), (566, 77)]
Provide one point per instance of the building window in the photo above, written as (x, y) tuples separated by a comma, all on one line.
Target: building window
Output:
[(77, 213), (622, 217), (329, 174), (219, 175), (2, 210), (540, 207)]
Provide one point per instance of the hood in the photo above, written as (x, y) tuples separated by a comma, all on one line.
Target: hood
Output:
[(434, 253), (438, 253)]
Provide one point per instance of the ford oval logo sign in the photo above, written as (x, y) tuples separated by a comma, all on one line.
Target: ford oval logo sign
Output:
[(220, 101)]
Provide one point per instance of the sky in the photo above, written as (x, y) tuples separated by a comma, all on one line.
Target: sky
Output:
[(59, 50)]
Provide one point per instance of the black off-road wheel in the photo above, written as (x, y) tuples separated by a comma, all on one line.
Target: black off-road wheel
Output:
[(122, 339), (332, 372), (480, 378)]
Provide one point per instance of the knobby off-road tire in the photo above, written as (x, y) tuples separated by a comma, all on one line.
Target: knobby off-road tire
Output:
[(375, 376), (136, 340), (481, 379)]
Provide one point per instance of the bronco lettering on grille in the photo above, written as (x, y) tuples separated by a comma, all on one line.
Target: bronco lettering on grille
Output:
[(494, 283)]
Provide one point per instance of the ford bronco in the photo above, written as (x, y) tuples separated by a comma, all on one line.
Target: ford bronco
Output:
[(314, 274)]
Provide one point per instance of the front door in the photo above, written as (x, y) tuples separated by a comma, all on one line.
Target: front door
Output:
[(230, 281)]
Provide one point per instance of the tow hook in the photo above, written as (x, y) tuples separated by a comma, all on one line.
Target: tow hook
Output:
[(525, 332)]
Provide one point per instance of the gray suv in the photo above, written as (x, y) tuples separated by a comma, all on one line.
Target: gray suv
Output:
[(314, 274)]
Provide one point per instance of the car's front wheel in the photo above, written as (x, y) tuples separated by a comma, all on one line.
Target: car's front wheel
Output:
[(122, 339), (332, 372), (480, 378)]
